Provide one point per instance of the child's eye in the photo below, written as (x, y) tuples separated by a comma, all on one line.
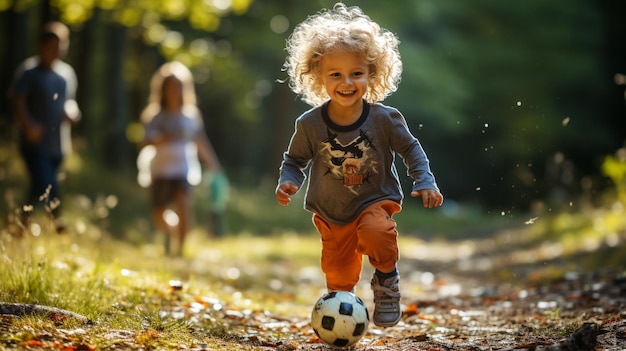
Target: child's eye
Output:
[(357, 74), (335, 74)]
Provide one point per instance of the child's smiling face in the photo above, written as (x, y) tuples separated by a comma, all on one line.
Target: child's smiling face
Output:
[(345, 77)]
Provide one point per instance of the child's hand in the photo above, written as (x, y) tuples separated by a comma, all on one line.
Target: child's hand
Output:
[(34, 133), (284, 192), (432, 198)]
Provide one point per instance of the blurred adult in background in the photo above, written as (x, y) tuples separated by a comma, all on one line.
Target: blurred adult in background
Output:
[(43, 99), (174, 144)]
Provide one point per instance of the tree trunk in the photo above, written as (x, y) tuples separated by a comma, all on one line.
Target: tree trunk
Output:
[(117, 150), (17, 49), (83, 50)]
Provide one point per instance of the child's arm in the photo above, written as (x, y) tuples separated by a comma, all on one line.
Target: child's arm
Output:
[(206, 152), (418, 165), (33, 130), (72, 111)]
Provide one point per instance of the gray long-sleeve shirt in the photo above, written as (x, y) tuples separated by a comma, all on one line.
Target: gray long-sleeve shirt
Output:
[(352, 167)]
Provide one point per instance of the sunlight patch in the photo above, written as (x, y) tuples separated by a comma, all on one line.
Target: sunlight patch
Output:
[(171, 218)]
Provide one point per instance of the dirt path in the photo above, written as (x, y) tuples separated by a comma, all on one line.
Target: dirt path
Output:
[(455, 297)]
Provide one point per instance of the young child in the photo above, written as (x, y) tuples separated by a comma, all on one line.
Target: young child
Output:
[(174, 128), (343, 64), (42, 93)]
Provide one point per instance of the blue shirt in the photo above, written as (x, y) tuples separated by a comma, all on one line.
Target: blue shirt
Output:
[(45, 93)]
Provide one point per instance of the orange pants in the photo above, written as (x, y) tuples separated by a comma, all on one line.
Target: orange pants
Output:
[(372, 233)]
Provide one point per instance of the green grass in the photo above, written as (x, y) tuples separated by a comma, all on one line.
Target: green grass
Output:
[(125, 288)]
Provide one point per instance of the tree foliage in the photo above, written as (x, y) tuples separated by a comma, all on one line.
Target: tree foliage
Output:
[(502, 95)]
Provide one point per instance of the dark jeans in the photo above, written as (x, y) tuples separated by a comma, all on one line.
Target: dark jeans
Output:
[(42, 169)]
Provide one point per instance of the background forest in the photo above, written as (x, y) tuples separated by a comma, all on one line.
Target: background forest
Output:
[(516, 103)]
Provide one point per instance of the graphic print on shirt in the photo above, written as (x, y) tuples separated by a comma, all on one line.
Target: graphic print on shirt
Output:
[(353, 162)]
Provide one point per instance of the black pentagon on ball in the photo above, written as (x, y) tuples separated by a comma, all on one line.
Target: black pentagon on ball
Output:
[(359, 328), (341, 342), (328, 323), (346, 308), (329, 296)]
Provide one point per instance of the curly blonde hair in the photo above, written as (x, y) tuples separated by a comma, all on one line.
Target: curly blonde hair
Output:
[(343, 28)]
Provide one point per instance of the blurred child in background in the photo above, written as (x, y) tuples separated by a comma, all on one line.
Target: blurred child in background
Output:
[(175, 135), (43, 96)]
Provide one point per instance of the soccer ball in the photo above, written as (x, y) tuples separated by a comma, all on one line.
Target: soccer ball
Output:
[(340, 318)]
